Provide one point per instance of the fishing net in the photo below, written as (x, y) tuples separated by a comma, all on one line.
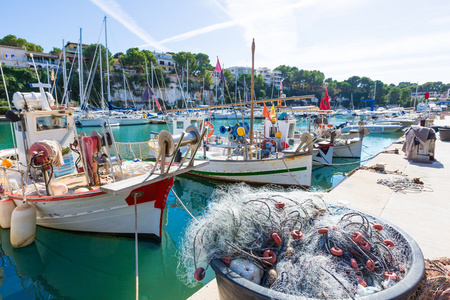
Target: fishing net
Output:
[(435, 283), (303, 246)]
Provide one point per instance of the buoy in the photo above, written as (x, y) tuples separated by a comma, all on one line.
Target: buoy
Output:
[(240, 131), (23, 225), (7, 163), (354, 263), (289, 252), (199, 274), (323, 230), (362, 282), (279, 204), (357, 237), (389, 243), (247, 270), (211, 129), (81, 190), (297, 234), (271, 254), (227, 261), (377, 227), (365, 245), (370, 265), (276, 238), (278, 134), (336, 251), (6, 209), (59, 189), (271, 277), (390, 275)]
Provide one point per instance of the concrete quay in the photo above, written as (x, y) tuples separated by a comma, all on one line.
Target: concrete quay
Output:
[(424, 215)]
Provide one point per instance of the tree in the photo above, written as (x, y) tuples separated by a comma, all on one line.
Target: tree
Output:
[(12, 40), (135, 59), (93, 49), (56, 51), (181, 58), (394, 95)]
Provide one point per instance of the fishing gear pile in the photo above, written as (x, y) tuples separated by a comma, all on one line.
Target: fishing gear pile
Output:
[(294, 243)]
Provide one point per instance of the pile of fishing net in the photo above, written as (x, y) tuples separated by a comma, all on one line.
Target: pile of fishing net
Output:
[(435, 283), (294, 243)]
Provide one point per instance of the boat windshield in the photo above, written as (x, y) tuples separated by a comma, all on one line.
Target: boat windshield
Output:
[(51, 122)]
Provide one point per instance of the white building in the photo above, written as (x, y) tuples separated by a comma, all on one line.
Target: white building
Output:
[(270, 77), (164, 60), (238, 71), (18, 57)]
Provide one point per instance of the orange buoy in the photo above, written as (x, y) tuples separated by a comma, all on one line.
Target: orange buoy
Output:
[(354, 263), (377, 227), (357, 237), (389, 243), (7, 163), (271, 254), (276, 238), (362, 282), (323, 230), (364, 245), (370, 265), (279, 204), (336, 251), (390, 275), (297, 234)]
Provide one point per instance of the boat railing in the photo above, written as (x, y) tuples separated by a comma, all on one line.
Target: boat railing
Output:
[(138, 150)]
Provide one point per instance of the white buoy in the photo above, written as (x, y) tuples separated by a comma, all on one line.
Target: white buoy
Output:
[(6, 209), (23, 225), (59, 189)]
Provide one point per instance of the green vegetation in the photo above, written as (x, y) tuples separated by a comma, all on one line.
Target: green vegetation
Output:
[(296, 82)]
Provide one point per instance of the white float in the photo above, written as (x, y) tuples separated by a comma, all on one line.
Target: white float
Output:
[(6, 209), (23, 225)]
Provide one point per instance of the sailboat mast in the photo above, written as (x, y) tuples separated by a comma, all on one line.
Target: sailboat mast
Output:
[(101, 82), (125, 90), (63, 101), (153, 105), (252, 92), (80, 68), (107, 64)]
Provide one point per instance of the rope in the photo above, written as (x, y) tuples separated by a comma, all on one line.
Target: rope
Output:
[(182, 204)]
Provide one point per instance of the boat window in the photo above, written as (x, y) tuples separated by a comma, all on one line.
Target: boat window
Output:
[(180, 125), (196, 123), (51, 122), (291, 130)]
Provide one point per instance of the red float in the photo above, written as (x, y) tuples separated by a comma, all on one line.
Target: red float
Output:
[(276, 238), (357, 237), (199, 274), (297, 234), (271, 254)]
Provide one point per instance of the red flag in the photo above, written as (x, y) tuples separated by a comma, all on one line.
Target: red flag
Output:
[(266, 112), (218, 68), (157, 104), (322, 105), (427, 95), (326, 99), (281, 85)]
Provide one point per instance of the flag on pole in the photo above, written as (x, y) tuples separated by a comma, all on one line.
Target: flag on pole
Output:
[(273, 113), (222, 77), (148, 93), (281, 85), (326, 99), (247, 99), (322, 105), (218, 68), (266, 112)]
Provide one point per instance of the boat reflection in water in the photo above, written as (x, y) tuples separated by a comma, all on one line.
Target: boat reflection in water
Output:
[(68, 265)]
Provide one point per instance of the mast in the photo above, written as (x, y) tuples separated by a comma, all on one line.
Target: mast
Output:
[(125, 90), (146, 76), (63, 101), (101, 82), (80, 68), (107, 64), (252, 93), (187, 81)]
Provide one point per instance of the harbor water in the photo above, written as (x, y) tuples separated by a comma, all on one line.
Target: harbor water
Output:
[(67, 265)]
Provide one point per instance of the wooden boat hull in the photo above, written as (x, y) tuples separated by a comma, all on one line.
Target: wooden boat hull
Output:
[(290, 170), (98, 212)]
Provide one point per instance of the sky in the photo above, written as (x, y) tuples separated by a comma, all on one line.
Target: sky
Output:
[(389, 40)]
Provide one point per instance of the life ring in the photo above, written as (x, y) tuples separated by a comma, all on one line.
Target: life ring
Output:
[(211, 131), (263, 144)]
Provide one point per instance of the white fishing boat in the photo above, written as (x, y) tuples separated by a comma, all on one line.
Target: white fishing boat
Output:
[(389, 127), (103, 194)]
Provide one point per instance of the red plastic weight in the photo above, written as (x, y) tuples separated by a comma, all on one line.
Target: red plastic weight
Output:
[(389, 243), (377, 226), (297, 234), (364, 245), (323, 230), (370, 265), (271, 254), (276, 238), (354, 263), (227, 261), (390, 275), (336, 251), (199, 274), (357, 237), (362, 282), (279, 204)]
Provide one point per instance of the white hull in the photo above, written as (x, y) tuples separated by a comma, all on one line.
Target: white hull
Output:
[(350, 149), (98, 212), (265, 171), (375, 128), (323, 156), (131, 121), (97, 122)]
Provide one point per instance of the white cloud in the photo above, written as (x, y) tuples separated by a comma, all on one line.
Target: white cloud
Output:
[(114, 10)]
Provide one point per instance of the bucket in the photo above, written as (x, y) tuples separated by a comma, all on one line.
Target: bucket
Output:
[(233, 286), (444, 134)]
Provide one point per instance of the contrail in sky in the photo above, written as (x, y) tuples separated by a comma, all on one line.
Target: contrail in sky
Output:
[(112, 8)]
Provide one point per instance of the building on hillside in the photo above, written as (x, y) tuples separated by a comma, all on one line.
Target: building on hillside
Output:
[(19, 57), (72, 52), (165, 61), (270, 77), (238, 71)]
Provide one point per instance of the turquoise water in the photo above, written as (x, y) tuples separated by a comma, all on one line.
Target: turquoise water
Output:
[(65, 265)]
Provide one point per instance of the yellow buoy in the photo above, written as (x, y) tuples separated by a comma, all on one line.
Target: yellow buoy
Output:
[(240, 131), (7, 163), (23, 225), (274, 120), (6, 209), (278, 134)]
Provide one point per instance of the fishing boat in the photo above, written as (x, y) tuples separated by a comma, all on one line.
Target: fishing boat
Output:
[(77, 182), (388, 127)]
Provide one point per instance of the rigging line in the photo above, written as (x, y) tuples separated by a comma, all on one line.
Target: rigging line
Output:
[(182, 204)]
